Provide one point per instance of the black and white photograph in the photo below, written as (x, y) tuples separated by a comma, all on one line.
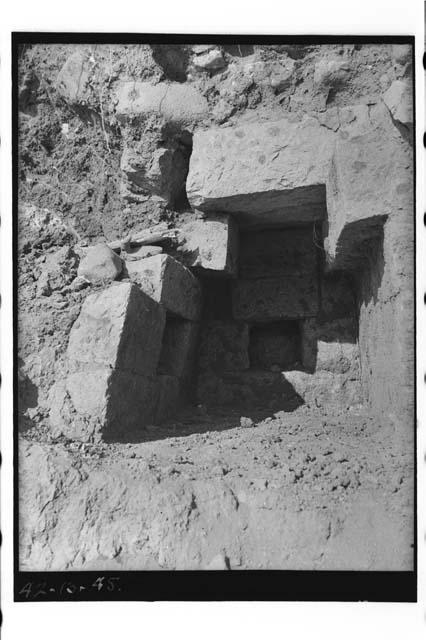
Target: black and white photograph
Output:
[(215, 305)]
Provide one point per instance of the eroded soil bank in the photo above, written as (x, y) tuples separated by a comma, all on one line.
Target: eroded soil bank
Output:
[(307, 490)]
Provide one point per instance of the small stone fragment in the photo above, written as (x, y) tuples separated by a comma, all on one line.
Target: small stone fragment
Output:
[(331, 72), (246, 422), (101, 264), (211, 60), (79, 283)]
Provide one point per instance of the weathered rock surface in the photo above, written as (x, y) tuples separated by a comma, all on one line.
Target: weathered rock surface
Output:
[(121, 328), (112, 356), (73, 77), (330, 72), (210, 244), (262, 173), (331, 346), (175, 102), (103, 404), (169, 282), (162, 175), (399, 100), (369, 181), (100, 264), (325, 388), (210, 60)]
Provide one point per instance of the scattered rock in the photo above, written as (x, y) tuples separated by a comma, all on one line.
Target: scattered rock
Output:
[(246, 422), (100, 264), (282, 75), (329, 73), (211, 60), (79, 283)]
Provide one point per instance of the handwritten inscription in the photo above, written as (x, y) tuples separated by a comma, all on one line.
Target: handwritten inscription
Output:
[(34, 590)]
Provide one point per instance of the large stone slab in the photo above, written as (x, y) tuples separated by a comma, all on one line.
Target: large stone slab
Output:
[(275, 253), (263, 173), (370, 179), (167, 281), (275, 298), (121, 328), (175, 102), (210, 244)]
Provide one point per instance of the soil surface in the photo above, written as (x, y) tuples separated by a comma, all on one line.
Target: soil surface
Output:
[(306, 490)]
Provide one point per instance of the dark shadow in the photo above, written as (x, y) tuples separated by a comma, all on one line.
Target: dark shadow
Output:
[(27, 98), (27, 399), (200, 419), (368, 279), (173, 60), (239, 50)]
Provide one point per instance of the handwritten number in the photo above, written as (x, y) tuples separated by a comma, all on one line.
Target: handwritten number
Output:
[(26, 590)]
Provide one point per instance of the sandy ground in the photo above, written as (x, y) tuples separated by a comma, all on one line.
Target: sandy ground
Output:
[(303, 490)]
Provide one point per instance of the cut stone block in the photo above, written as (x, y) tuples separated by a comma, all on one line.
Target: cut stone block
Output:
[(103, 403), (210, 244), (224, 347), (179, 347), (262, 173), (274, 253), (100, 264), (119, 327), (370, 179), (275, 298), (175, 102), (167, 281), (168, 398)]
